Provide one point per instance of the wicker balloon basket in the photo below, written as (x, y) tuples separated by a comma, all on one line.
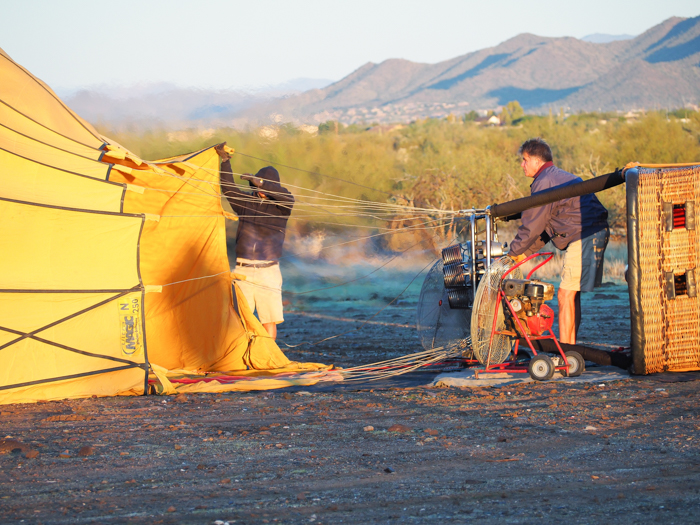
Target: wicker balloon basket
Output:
[(663, 240)]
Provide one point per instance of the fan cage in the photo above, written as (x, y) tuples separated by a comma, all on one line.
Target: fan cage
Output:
[(486, 306), (438, 325)]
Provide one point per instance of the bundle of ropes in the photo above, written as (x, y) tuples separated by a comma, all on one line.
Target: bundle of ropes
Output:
[(403, 365)]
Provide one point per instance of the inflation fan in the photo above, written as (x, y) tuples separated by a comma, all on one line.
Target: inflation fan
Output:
[(444, 311), (475, 299)]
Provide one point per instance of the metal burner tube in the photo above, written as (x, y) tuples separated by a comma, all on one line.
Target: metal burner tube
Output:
[(487, 218), (472, 224)]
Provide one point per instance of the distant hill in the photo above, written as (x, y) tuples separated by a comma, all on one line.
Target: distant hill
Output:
[(657, 69), (600, 38), (153, 104)]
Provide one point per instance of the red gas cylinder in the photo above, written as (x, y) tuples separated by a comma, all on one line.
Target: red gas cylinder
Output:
[(540, 323)]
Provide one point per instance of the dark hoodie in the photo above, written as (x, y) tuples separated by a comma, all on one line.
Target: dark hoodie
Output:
[(262, 222)]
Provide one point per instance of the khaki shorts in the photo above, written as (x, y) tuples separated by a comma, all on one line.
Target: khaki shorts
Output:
[(262, 290), (583, 263)]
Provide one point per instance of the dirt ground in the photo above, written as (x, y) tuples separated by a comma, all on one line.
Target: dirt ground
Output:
[(387, 452)]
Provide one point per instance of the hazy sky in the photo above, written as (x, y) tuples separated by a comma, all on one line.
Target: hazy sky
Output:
[(232, 44)]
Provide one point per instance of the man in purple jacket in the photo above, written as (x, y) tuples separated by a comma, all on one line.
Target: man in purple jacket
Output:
[(578, 225)]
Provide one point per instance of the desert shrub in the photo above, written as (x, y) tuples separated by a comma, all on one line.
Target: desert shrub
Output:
[(437, 163)]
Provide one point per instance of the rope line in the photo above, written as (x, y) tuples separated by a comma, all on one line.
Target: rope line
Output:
[(349, 199), (262, 286), (196, 278), (365, 322), (312, 173), (401, 365)]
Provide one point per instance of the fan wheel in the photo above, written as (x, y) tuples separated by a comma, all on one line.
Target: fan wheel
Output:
[(576, 363), (541, 368)]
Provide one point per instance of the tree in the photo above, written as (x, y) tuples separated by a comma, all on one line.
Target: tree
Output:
[(512, 112), (330, 127), (471, 116)]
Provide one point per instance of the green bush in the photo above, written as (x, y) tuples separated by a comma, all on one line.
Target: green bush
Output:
[(435, 163)]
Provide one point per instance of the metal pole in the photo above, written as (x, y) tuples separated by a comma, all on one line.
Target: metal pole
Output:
[(487, 218), (472, 224)]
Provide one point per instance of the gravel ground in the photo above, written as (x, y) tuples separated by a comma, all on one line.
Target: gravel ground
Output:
[(624, 452), (391, 452)]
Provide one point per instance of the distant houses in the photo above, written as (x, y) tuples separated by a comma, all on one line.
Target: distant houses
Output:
[(493, 120)]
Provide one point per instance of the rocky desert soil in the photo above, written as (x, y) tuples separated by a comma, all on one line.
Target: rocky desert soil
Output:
[(387, 452)]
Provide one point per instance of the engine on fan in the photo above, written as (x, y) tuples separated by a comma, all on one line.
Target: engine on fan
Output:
[(463, 266), (526, 298)]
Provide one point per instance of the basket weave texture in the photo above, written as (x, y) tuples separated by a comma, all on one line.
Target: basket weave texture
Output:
[(671, 326)]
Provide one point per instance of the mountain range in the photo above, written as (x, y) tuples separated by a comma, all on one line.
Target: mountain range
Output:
[(151, 105), (658, 69)]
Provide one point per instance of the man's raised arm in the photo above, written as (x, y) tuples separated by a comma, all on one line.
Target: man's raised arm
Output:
[(228, 186)]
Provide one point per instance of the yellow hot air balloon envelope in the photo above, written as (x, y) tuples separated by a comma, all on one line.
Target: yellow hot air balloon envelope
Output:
[(114, 275)]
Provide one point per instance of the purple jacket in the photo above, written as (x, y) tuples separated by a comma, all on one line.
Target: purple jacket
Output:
[(563, 221)]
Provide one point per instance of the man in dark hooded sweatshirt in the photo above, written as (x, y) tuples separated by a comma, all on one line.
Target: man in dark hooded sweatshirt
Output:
[(262, 222)]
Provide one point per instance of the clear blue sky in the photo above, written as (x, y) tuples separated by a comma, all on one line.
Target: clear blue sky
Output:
[(231, 44)]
